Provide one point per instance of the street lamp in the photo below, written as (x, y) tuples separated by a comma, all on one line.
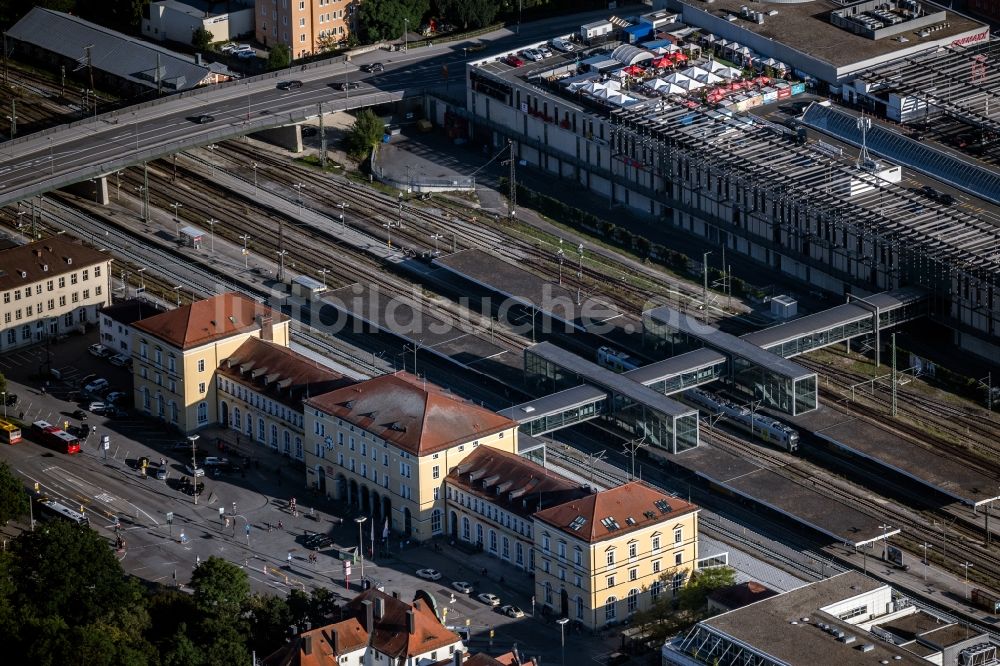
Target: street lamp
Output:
[(281, 265), (177, 227), (246, 253), (142, 280), (925, 546), (561, 256), (967, 566), (361, 546), (388, 229), (194, 464), (4, 395), (342, 206), (562, 637), (253, 165), (211, 225), (298, 187), (885, 541), (436, 237), (323, 272), (406, 34)]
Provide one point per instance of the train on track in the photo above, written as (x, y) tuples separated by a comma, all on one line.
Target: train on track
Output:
[(760, 426), (616, 360)]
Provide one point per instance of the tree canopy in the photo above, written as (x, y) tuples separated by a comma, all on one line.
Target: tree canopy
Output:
[(380, 20), (365, 134), (221, 588), (14, 499), (279, 57), (201, 38), (469, 14)]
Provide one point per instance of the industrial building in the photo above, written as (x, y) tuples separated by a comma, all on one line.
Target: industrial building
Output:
[(665, 136), (177, 20)]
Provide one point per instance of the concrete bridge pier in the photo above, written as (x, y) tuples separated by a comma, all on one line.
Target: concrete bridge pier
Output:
[(94, 188), (288, 137)]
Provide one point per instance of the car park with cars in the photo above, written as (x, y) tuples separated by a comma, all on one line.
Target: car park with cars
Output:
[(513, 61), (562, 45), (531, 54)]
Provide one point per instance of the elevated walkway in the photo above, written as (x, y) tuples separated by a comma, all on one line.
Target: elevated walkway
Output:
[(662, 422), (860, 316), (681, 372), (558, 410)]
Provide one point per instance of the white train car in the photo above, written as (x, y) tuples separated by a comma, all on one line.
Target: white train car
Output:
[(615, 360), (759, 425)]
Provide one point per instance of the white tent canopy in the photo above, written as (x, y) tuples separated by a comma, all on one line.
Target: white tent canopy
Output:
[(677, 77)]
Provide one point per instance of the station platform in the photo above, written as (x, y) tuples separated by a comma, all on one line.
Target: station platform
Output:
[(841, 522), (962, 482), (579, 311), (366, 307), (860, 316)]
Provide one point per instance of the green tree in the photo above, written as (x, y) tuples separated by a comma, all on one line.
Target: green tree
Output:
[(380, 20), (12, 11), (269, 621), (201, 38), (181, 650), (694, 596), (3, 382), (221, 589), (279, 57), (365, 134), (469, 14), (328, 42), (14, 498)]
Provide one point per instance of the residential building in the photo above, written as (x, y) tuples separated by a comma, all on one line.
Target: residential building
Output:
[(177, 20), (50, 287), (374, 627), (847, 619), (175, 355), (261, 387), (491, 497), (117, 62), (388, 443), (305, 26), (602, 557), (116, 323)]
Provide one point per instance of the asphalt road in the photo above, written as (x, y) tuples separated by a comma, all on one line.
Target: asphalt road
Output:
[(76, 153)]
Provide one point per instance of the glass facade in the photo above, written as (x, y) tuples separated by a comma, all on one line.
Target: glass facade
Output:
[(569, 417), (664, 431), (686, 380)]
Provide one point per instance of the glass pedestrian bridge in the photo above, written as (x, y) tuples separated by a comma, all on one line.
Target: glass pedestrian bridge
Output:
[(763, 375), (859, 316), (636, 409)]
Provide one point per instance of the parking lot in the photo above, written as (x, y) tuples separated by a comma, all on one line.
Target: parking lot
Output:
[(243, 512)]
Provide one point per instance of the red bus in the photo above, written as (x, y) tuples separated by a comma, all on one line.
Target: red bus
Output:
[(57, 438), (9, 433)]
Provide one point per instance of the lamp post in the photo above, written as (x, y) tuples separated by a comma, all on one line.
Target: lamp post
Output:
[(246, 253), (388, 229), (561, 256), (704, 287), (4, 395), (177, 227), (436, 237), (253, 165), (211, 225), (885, 541), (342, 206), (298, 187), (178, 290), (406, 34), (281, 264), (194, 464), (323, 272), (967, 566), (925, 546), (142, 280), (361, 545), (562, 637)]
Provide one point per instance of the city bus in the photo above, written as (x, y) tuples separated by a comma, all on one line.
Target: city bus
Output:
[(56, 511), (9, 433), (56, 438)]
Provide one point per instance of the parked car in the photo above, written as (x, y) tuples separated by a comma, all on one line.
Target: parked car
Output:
[(120, 360), (227, 48), (544, 50), (161, 473), (96, 407), (510, 610), (373, 68), (429, 574), (115, 396), (316, 541), (114, 412), (531, 54), (97, 386), (489, 599), (946, 199), (462, 586), (100, 351), (246, 54), (930, 193), (194, 471), (11, 399), (562, 45), (289, 85), (79, 415), (513, 61)]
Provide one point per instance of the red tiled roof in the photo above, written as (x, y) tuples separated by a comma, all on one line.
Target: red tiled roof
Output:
[(46, 258), (524, 487), (279, 372), (391, 635), (594, 513), (417, 416), (208, 320)]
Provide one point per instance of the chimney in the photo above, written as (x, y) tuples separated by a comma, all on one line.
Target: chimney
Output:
[(456, 659), (307, 645), (379, 608), (411, 622), (333, 641), (369, 623), (395, 594), (197, 58)]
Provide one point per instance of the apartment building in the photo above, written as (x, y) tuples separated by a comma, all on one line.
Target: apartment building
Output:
[(305, 26), (387, 444), (261, 387), (601, 558), (175, 355), (491, 497), (50, 287), (116, 323)]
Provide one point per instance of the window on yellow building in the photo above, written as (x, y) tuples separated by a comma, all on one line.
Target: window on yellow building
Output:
[(678, 558), (656, 566), (656, 543), (633, 574), (436, 472), (611, 581), (678, 535), (610, 609), (611, 557), (632, 547)]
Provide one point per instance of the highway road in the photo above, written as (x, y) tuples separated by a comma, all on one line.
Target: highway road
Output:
[(44, 161)]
